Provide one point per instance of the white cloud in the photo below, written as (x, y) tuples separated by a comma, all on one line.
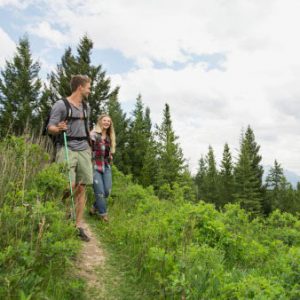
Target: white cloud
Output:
[(258, 87), (45, 31), (258, 83), (20, 4), (7, 48)]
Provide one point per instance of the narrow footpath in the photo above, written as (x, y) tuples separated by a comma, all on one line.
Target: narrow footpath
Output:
[(91, 264), (105, 274)]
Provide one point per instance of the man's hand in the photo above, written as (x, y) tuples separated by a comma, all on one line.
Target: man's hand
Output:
[(61, 126)]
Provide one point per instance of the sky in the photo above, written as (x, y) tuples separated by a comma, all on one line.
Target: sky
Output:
[(221, 65)]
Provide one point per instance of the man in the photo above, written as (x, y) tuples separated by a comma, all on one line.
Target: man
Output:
[(78, 147)]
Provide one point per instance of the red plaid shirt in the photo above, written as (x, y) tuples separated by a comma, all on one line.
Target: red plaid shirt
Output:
[(101, 153)]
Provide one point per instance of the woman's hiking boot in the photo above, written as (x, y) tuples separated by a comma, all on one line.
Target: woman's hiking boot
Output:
[(92, 211), (104, 218)]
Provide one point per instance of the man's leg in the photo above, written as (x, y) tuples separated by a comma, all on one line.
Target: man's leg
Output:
[(79, 203), (84, 176), (79, 196)]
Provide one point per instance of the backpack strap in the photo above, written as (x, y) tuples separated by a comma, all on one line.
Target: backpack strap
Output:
[(68, 109), (85, 116)]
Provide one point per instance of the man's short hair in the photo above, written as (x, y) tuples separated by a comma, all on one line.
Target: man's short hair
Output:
[(78, 80)]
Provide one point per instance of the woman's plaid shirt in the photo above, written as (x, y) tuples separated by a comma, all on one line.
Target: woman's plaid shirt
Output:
[(101, 154)]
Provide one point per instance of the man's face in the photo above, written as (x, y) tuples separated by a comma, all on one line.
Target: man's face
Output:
[(85, 90)]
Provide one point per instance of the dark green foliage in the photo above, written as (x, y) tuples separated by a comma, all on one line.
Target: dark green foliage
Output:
[(214, 186), (207, 179), (20, 89), (81, 64), (242, 183), (37, 244)]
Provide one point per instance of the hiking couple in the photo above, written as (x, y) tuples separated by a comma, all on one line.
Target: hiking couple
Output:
[(89, 152)]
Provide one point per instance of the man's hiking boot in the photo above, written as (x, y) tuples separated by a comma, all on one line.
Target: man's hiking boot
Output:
[(82, 234)]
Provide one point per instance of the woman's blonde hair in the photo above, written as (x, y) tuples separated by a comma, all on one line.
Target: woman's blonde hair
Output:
[(110, 131)]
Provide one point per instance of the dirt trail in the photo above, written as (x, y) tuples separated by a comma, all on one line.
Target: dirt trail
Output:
[(90, 262), (105, 277)]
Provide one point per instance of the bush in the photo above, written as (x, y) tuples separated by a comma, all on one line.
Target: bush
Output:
[(37, 245), (192, 251)]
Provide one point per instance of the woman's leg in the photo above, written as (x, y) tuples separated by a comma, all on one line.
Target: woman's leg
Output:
[(98, 185), (107, 181)]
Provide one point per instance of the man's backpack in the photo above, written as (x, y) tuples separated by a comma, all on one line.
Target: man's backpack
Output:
[(58, 139)]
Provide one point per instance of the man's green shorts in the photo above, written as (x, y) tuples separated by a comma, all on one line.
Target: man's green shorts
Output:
[(81, 169)]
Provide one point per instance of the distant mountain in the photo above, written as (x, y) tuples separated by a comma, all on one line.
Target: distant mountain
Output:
[(290, 176)]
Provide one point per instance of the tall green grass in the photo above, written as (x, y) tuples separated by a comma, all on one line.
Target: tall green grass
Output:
[(37, 245)]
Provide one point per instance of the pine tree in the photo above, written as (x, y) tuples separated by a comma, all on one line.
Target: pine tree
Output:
[(147, 123), (170, 154), (226, 177), (20, 91), (187, 185), (290, 200), (150, 169), (275, 177), (255, 156), (211, 179), (200, 178), (138, 140), (120, 122), (277, 189), (59, 81), (248, 175), (81, 64)]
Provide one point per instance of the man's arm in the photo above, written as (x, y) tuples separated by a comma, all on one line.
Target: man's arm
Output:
[(57, 122)]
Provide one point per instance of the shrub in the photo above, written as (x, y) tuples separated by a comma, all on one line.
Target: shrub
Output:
[(192, 251), (37, 245)]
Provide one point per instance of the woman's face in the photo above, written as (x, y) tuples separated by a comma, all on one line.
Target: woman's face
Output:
[(105, 122)]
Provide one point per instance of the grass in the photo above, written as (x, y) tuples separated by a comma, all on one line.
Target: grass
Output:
[(119, 279)]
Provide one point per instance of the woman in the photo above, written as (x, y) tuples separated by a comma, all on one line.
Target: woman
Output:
[(103, 146)]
